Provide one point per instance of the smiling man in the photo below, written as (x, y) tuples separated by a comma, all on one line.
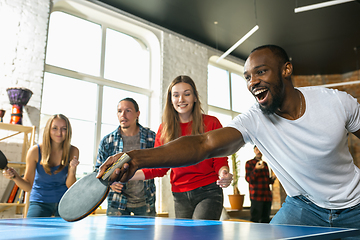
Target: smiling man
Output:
[(301, 131), (137, 197)]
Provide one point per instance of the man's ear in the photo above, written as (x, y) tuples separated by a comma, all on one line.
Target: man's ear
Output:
[(287, 70)]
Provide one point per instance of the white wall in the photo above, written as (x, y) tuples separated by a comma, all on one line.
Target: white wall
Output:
[(23, 25)]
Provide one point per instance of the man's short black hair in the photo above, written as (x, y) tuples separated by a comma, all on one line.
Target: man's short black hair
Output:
[(136, 106), (277, 51)]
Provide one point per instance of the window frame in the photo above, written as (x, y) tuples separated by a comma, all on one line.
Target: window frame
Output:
[(111, 19), (236, 68), (231, 67)]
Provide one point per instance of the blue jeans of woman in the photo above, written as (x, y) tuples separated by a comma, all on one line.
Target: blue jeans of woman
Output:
[(201, 203), (40, 209), (301, 211)]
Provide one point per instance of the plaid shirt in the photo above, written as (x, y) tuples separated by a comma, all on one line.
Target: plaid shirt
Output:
[(259, 181), (112, 144)]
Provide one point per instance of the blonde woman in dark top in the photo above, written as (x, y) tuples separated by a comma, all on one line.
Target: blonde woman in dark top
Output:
[(50, 168)]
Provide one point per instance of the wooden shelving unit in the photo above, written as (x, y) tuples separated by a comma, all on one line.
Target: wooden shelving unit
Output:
[(28, 141)]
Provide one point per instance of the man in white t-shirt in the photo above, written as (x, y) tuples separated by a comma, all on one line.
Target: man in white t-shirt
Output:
[(301, 131)]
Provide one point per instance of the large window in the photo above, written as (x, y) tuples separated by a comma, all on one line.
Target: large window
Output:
[(227, 97), (90, 66)]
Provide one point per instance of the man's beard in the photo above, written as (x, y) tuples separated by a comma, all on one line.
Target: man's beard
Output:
[(124, 126), (277, 98)]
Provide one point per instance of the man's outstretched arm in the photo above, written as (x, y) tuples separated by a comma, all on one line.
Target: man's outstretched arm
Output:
[(184, 151)]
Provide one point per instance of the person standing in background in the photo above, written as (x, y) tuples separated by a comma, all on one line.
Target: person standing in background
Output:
[(50, 168), (137, 197), (257, 175), (197, 189)]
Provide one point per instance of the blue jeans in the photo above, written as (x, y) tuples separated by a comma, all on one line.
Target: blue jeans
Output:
[(39, 209), (301, 211), (141, 211), (201, 203)]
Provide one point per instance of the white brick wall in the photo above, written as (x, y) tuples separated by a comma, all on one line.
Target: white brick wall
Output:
[(183, 57), (23, 26)]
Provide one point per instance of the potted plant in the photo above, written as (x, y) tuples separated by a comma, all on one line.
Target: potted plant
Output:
[(237, 199)]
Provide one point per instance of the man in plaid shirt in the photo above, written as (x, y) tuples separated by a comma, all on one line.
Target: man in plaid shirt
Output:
[(137, 197), (257, 175)]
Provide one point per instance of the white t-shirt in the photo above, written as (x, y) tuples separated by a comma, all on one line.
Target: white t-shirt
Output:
[(310, 155)]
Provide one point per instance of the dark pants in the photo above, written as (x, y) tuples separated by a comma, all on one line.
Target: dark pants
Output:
[(201, 203), (141, 211), (260, 211)]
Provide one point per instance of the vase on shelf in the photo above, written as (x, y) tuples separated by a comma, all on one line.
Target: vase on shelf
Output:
[(18, 98)]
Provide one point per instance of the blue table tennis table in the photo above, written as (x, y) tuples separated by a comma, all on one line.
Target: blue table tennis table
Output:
[(148, 228)]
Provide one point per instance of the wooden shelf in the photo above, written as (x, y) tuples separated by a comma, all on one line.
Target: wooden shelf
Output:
[(13, 204), (16, 127), (28, 141), (17, 164)]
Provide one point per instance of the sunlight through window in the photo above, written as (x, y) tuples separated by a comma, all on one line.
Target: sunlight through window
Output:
[(85, 84)]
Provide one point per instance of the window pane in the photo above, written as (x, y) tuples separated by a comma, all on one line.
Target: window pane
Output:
[(223, 118), (74, 44), (218, 87), (245, 153), (242, 99), (111, 98), (126, 59), (84, 138), (71, 97)]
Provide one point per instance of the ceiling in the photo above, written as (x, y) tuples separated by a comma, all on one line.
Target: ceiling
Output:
[(321, 41)]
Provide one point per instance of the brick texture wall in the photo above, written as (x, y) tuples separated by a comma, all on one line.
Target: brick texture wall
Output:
[(183, 57), (23, 25)]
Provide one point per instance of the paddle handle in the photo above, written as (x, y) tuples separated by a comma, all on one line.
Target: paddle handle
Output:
[(123, 159)]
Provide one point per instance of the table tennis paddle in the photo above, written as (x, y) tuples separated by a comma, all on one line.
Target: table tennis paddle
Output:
[(86, 194), (3, 161)]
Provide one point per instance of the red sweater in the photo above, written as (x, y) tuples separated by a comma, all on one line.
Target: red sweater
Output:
[(189, 178)]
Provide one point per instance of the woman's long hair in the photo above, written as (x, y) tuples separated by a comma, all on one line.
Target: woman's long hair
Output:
[(170, 119), (46, 145)]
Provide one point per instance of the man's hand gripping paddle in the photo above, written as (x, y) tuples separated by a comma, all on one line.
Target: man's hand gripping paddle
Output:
[(86, 194)]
